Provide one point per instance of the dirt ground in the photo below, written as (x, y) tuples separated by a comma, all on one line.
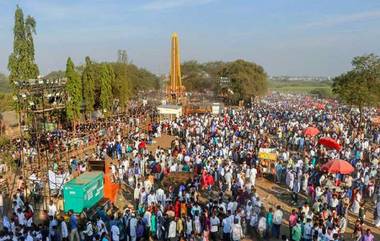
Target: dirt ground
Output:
[(164, 141)]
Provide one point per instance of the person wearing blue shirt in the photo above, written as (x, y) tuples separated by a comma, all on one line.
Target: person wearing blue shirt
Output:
[(278, 172), (73, 222), (132, 227), (227, 226), (118, 150)]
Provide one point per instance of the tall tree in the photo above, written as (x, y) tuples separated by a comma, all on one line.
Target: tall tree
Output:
[(368, 67), (194, 77), (21, 63), (248, 79), (74, 91), (121, 83), (30, 29), (88, 86), (360, 87), (106, 76)]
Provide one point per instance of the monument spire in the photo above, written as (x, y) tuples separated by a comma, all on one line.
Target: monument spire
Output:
[(175, 85)]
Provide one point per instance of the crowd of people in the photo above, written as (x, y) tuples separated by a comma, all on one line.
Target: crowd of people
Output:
[(215, 162)]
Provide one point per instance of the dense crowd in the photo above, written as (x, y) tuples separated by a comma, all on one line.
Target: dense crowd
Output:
[(215, 162)]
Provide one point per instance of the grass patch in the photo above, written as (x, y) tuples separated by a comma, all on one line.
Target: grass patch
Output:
[(322, 88)]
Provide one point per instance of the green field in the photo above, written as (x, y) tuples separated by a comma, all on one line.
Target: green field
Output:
[(302, 87)]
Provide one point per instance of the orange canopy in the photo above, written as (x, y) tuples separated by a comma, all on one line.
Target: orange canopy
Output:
[(311, 131)]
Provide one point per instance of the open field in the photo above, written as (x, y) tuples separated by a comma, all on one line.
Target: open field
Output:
[(307, 87)]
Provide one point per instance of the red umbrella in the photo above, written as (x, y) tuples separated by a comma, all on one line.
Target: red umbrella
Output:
[(311, 131), (330, 143), (338, 166)]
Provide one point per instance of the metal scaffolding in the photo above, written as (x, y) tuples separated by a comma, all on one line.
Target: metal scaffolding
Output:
[(37, 101)]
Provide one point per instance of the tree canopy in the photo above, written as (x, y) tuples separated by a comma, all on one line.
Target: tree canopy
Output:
[(248, 79), (142, 79), (106, 78), (201, 76), (21, 63), (88, 86), (105, 82), (121, 83), (195, 78), (74, 92), (360, 86)]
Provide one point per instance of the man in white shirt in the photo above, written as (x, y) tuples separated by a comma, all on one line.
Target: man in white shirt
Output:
[(253, 174), (160, 195), (152, 198), (237, 231), (228, 178), (172, 232), (214, 223), (143, 196), (52, 209), (100, 225), (89, 232), (1, 204), (115, 232), (136, 194), (334, 202), (277, 221)]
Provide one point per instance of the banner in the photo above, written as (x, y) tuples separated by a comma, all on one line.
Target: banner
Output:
[(268, 154), (56, 181)]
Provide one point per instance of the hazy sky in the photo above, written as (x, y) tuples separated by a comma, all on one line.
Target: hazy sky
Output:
[(293, 37)]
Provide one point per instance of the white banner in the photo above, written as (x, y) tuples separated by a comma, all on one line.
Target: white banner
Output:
[(56, 181)]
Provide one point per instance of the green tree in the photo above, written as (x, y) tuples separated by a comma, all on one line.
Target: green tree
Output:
[(21, 63), (368, 67), (213, 68), (30, 29), (74, 92), (359, 87), (121, 83), (88, 86), (201, 77), (106, 77), (141, 79), (248, 79), (194, 78)]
